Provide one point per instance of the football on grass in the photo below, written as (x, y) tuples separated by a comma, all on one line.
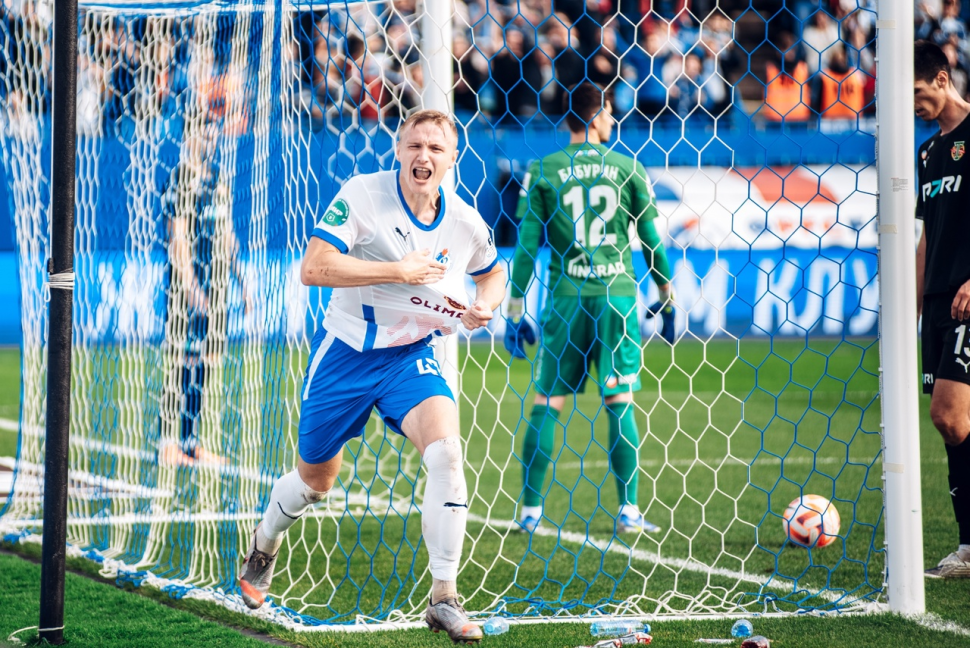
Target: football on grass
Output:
[(811, 521)]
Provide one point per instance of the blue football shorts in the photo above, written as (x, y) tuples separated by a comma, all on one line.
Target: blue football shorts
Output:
[(342, 386)]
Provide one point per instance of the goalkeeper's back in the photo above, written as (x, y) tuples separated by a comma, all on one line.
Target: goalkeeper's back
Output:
[(585, 198)]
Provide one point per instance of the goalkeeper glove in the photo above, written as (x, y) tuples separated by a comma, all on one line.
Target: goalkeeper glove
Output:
[(664, 308), (518, 331)]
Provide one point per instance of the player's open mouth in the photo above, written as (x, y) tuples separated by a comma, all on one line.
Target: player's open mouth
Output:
[(421, 173)]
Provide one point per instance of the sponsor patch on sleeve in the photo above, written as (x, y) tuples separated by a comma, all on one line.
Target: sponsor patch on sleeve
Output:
[(337, 213)]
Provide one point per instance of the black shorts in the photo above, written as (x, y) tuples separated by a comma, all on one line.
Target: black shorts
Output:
[(946, 343)]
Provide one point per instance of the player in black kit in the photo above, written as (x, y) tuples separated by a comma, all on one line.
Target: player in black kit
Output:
[(200, 241), (943, 279)]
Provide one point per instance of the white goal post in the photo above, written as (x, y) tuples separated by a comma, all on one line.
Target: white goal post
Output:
[(896, 159)]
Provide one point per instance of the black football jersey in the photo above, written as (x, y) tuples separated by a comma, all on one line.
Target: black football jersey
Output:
[(943, 203)]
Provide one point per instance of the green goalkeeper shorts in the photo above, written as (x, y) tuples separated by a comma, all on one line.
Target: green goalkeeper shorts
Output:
[(581, 331)]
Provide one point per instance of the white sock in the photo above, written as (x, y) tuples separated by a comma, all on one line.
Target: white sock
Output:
[(630, 510), (445, 510), (964, 552), (290, 499), (443, 590), (530, 511)]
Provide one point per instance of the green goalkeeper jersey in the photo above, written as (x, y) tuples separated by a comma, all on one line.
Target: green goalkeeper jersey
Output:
[(587, 199)]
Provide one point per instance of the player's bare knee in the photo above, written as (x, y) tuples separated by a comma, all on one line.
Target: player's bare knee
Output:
[(317, 487), (952, 423), (954, 435), (313, 496), (625, 397), (319, 479), (555, 402)]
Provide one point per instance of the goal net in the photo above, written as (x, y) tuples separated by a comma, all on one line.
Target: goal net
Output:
[(211, 136)]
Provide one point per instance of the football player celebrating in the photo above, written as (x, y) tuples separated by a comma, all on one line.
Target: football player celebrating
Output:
[(395, 247)]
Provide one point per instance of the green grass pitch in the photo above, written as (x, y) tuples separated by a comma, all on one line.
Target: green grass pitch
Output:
[(763, 418), (730, 434)]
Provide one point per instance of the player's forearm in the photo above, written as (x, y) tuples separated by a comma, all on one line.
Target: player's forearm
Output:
[(659, 266), (336, 270), (654, 253), (183, 274), (181, 257), (491, 288), (524, 260)]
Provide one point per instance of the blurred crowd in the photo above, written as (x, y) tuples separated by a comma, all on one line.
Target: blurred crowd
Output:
[(512, 61), (796, 60), (944, 22), (820, 60)]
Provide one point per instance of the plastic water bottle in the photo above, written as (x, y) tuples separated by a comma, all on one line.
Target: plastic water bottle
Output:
[(637, 638), (616, 627), (741, 629), (495, 626)]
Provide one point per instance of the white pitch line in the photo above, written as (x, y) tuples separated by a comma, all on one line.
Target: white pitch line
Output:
[(931, 621), (132, 519), (719, 462), (92, 445), (612, 546), (374, 503), (87, 479), (356, 504), (606, 546), (764, 460)]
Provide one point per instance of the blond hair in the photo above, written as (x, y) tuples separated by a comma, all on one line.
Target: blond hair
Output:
[(436, 117)]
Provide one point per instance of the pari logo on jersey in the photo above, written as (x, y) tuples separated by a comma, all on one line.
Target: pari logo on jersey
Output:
[(443, 257), (337, 213), (946, 184)]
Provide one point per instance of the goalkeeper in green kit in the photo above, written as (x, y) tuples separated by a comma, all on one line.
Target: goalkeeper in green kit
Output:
[(585, 199)]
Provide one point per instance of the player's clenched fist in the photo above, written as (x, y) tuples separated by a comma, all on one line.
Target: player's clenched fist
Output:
[(477, 315), (419, 268)]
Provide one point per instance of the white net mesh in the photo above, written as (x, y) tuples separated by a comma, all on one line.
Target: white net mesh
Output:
[(211, 137)]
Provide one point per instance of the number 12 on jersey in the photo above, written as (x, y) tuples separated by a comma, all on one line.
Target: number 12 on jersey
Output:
[(603, 202)]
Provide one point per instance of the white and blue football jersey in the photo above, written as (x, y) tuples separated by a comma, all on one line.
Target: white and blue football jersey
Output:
[(369, 219)]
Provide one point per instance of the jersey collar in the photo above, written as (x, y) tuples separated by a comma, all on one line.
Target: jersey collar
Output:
[(414, 220), (589, 145)]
